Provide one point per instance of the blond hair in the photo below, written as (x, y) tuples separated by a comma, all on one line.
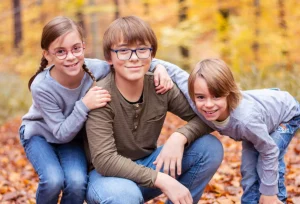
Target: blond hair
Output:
[(219, 79), (131, 30)]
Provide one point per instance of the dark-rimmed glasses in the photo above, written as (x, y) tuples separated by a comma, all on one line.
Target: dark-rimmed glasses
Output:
[(63, 53), (125, 54)]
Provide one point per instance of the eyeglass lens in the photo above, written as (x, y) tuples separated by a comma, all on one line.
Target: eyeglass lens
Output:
[(126, 54), (62, 54)]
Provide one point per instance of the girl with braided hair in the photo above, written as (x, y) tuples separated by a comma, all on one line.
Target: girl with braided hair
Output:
[(51, 132)]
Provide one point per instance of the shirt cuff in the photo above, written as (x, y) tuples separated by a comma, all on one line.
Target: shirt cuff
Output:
[(153, 178), (268, 190), (82, 107), (185, 132)]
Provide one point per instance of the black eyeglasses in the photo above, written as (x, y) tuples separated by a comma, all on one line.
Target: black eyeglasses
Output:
[(125, 54), (63, 53)]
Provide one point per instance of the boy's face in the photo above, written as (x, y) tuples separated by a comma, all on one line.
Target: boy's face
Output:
[(211, 107), (130, 65)]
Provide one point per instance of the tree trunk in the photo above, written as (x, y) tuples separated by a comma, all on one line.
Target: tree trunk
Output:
[(117, 9), (223, 28), (146, 7), (17, 25), (255, 44), (96, 48), (283, 27), (80, 20), (184, 51)]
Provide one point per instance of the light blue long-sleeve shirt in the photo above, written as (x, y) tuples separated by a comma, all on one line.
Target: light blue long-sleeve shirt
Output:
[(259, 113)]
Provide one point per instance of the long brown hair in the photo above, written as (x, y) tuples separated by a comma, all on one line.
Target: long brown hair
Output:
[(219, 79), (55, 28)]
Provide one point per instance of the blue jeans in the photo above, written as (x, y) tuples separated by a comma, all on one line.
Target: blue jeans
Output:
[(199, 163), (60, 167), (251, 160)]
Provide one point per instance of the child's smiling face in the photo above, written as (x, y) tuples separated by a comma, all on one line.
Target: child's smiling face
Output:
[(134, 68), (213, 108), (70, 43)]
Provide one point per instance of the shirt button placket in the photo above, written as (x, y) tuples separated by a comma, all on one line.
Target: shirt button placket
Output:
[(135, 120)]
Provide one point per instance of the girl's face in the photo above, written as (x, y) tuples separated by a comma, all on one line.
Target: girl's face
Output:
[(67, 54), (211, 107)]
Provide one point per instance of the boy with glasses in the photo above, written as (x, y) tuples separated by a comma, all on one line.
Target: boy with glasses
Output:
[(122, 136)]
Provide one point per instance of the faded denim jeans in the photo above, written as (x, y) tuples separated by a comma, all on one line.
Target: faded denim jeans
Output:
[(250, 158), (199, 163), (60, 167)]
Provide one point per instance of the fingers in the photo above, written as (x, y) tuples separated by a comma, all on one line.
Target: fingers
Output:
[(159, 164), (178, 162), (102, 99), (170, 84), (95, 88), (190, 199), (185, 199), (166, 166), (156, 79), (164, 86), (173, 168)]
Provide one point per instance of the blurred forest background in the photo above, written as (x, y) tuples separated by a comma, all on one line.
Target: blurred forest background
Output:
[(257, 38)]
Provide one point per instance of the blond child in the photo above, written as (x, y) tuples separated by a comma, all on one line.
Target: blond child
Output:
[(264, 120)]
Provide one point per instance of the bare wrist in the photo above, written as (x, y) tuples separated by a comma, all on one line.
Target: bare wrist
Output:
[(179, 137)]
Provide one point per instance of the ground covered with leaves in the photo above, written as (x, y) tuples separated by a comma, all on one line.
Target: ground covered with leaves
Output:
[(18, 181)]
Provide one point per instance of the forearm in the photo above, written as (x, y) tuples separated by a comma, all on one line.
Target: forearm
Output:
[(194, 129), (267, 169), (63, 128), (119, 166), (256, 132), (68, 127)]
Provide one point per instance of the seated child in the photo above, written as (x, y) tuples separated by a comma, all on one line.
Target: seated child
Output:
[(122, 136)]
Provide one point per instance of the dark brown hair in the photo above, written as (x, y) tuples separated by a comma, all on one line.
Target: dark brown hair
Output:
[(55, 28), (219, 79), (131, 30)]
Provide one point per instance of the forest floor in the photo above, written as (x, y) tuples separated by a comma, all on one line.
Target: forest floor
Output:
[(18, 180)]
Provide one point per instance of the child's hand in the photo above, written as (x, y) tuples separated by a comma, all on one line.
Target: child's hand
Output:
[(174, 190), (96, 97), (264, 199), (171, 155), (162, 80)]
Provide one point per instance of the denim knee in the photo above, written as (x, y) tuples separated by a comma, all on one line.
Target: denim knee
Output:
[(124, 196), (212, 150), (51, 183), (111, 190), (77, 182)]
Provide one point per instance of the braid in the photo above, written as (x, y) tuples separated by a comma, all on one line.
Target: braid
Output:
[(88, 71), (44, 63)]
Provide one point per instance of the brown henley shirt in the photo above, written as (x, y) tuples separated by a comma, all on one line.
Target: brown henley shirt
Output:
[(120, 132)]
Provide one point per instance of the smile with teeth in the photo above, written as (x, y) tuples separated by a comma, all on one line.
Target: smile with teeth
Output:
[(210, 112), (72, 65)]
